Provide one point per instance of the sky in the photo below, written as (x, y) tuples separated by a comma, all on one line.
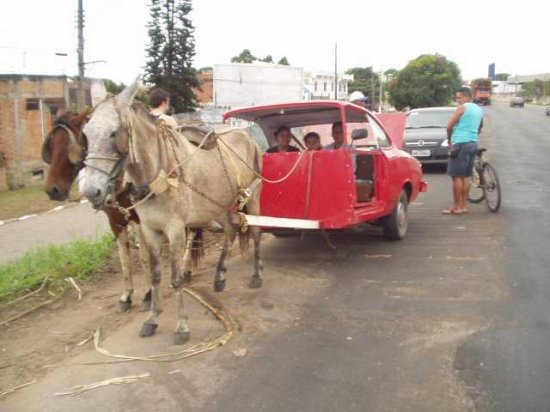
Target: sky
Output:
[(380, 34)]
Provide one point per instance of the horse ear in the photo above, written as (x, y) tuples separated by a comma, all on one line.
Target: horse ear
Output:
[(127, 95), (98, 92)]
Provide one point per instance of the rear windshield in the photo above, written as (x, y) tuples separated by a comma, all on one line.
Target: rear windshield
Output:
[(428, 119)]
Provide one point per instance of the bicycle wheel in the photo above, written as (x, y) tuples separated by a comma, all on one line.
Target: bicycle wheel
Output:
[(476, 195), (491, 188)]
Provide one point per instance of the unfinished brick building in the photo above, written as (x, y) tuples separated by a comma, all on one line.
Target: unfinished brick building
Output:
[(28, 106)]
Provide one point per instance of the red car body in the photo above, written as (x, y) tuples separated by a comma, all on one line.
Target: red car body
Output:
[(338, 188)]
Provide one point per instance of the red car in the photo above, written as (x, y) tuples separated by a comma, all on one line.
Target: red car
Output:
[(371, 181)]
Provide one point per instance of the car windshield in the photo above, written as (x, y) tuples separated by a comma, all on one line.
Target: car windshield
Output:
[(428, 119)]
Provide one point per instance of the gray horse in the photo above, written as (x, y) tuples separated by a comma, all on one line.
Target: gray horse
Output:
[(183, 187)]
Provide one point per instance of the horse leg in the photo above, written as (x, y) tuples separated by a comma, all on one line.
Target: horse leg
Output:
[(153, 244), (253, 207), (219, 278), (256, 279), (123, 245), (187, 256), (146, 264), (177, 240)]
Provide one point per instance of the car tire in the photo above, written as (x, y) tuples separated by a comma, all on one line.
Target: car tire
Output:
[(395, 225)]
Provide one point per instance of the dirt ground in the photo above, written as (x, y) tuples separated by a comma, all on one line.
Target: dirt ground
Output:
[(46, 347)]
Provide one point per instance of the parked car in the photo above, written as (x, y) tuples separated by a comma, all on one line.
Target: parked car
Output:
[(426, 134), (517, 101)]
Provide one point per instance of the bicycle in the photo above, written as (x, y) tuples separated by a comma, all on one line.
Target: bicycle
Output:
[(485, 183)]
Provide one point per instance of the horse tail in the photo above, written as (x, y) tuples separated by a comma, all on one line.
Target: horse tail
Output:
[(244, 238), (197, 249)]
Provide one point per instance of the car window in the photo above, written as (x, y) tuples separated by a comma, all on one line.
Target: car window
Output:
[(428, 119), (381, 137)]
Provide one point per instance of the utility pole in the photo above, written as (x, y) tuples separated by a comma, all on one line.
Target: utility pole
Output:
[(335, 71), (80, 94), (381, 92)]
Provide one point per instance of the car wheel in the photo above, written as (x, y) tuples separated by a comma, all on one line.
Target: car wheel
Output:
[(395, 225)]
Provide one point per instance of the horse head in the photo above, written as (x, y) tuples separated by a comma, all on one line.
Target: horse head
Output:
[(106, 154), (64, 150)]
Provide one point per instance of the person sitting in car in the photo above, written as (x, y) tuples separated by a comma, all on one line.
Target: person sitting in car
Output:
[(283, 136), (312, 140), (338, 136)]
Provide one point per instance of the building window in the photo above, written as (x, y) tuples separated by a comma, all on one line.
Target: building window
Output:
[(32, 104), (325, 86), (315, 85)]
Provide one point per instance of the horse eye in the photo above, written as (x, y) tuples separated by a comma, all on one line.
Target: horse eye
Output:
[(113, 135)]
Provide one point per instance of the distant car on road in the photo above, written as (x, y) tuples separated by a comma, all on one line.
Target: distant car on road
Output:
[(426, 134), (517, 101)]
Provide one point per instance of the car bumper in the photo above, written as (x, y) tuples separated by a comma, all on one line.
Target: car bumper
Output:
[(438, 155)]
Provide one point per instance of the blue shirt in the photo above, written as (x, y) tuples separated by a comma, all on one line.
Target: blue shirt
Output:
[(467, 127)]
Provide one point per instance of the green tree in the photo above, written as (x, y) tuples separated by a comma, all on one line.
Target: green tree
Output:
[(502, 76), (427, 81), (283, 61), (267, 59), (366, 81), (244, 57), (170, 52)]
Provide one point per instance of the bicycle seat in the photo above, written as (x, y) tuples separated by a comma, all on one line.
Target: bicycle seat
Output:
[(481, 150)]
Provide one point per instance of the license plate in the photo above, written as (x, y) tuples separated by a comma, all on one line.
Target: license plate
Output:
[(421, 153)]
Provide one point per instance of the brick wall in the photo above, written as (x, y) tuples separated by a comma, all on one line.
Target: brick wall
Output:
[(26, 106), (205, 94)]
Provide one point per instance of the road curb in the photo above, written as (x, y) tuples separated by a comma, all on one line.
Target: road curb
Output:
[(55, 209)]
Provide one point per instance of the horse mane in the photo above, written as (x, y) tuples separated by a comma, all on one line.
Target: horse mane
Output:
[(65, 119)]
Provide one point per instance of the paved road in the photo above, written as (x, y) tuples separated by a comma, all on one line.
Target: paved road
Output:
[(457, 319), (50, 228)]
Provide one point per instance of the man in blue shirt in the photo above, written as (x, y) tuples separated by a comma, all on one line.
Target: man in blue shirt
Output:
[(462, 132)]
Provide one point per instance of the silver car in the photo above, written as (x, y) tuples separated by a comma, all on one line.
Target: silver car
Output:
[(426, 134)]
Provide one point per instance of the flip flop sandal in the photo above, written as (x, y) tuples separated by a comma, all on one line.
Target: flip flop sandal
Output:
[(451, 212)]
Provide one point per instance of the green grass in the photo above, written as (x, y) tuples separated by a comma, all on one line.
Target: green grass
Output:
[(26, 201), (78, 260)]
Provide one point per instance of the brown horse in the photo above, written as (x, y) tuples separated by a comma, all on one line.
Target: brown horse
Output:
[(64, 149)]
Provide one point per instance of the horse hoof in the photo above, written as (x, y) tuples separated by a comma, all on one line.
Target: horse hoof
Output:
[(145, 306), (255, 282), (187, 278), (219, 285), (124, 306), (181, 337), (147, 329)]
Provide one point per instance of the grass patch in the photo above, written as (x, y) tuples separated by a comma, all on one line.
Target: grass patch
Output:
[(26, 201), (78, 260)]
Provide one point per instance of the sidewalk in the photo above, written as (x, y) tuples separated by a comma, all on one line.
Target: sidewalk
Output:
[(54, 227)]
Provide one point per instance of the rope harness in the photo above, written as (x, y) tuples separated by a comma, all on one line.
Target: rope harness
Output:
[(169, 181)]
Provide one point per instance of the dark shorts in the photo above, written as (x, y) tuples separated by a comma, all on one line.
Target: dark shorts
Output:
[(463, 164)]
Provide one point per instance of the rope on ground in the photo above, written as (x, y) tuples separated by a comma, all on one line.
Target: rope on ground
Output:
[(228, 321), (26, 312), (78, 389), (16, 388), (28, 295)]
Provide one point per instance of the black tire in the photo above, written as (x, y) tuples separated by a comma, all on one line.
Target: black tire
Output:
[(476, 194), (395, 225), (491, 188)]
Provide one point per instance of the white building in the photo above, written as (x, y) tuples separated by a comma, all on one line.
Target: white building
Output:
[(321, 85), (243, 84)]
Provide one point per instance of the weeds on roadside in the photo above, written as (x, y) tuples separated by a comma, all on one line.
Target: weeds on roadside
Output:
[(78, 260)]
